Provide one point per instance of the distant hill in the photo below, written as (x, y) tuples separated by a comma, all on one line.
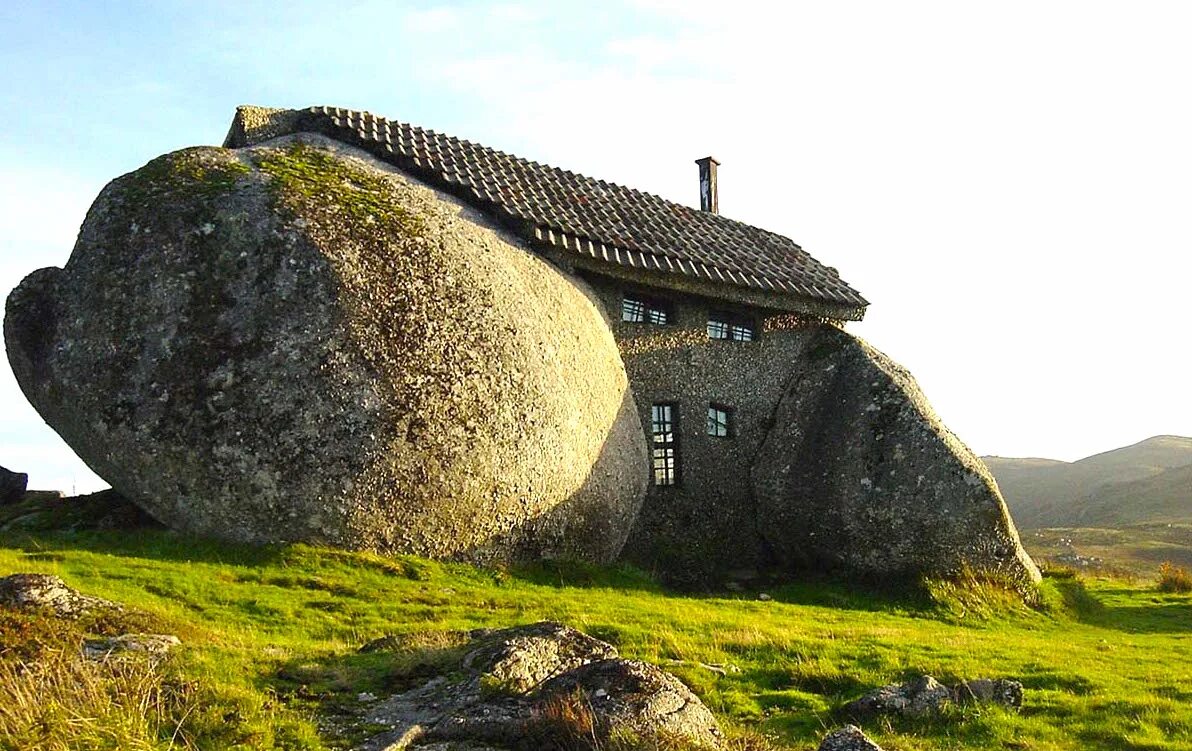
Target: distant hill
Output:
[(1150, 481)]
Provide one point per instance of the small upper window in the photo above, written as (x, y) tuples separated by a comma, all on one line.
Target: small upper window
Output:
[(730, 328), (643, 310), (719, 421)]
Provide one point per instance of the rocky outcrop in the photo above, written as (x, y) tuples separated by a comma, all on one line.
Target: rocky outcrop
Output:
[(295, 342), (925, 696), (152, 646), (848, 738), (858, 474), (50, 594), (12, 486), (544, 686)]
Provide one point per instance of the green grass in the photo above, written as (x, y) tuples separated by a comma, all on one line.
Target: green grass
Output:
[(272, 636)]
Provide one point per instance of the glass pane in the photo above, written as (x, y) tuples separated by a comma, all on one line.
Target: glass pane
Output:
[(633, 311), (717, 329), (657, 316), (742, 333)]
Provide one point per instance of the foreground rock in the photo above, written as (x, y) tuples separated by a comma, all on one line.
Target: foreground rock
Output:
[(848, 738), (297, 343), (45, 511), (544, 686), (154, 646), (12, 486), (925, 696), (859, 474), (48, 593)]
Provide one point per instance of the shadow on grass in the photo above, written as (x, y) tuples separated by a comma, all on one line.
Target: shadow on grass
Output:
[(1165, 614), (149, 544)]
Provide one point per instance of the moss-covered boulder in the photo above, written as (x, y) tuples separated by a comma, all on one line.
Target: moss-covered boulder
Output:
[(858, 474), (296, 342)]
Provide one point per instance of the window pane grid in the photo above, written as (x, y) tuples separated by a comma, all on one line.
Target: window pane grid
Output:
[(633, 311), (639, 310), (665, 453), (718, 422), (725, 326)]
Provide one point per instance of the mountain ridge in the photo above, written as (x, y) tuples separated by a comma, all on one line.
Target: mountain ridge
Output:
[(1147, 481)]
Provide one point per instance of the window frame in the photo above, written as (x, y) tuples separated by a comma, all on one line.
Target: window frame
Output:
[(650, 307), (729, 421), (732, 323), (666, 442)]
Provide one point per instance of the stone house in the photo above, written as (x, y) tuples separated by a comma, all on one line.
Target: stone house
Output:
[(708, 311), (721, 326)]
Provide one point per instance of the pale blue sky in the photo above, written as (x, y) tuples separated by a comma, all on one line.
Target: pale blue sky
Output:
[(1007, 183)]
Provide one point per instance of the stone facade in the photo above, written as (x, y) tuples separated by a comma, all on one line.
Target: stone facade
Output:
[(707, 521)]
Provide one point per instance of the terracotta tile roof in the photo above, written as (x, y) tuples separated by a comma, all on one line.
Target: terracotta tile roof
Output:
[(606, 222)]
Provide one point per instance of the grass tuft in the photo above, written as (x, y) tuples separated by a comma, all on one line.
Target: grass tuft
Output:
[(1174, 579)]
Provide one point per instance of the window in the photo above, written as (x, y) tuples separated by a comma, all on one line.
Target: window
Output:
[(720, 421), (730, 327), (666, 443), (642, 310)]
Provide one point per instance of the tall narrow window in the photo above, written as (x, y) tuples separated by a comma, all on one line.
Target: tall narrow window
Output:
[(730, 327), (720, 421), (666, 443), (644, 310)]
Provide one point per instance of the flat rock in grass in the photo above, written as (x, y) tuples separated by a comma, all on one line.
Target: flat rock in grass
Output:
[(1007, 693), (538, 686), (150, 645), (848, 738), (926, 696), (43, 591), (12, 486), (520, 659), (918, 698)]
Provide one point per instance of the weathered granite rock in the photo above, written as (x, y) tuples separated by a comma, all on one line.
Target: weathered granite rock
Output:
[(543, 686), (918, 698), (43, 591), (1007, 693), (629, 695), (153, 646), (848, 738), (926, 696), (297, 342), (12, 486), (522, 658), (859, 474)]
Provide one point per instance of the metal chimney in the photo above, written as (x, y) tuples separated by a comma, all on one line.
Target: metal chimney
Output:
[(708, 195)]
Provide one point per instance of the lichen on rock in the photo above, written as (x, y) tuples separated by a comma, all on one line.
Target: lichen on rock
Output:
[(859, 475), (296, 342)]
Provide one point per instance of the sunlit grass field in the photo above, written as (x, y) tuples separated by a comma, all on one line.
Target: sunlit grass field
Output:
[(271, 637)]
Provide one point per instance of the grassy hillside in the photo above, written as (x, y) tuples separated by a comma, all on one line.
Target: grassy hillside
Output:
[(271, 637), (1123, 486)]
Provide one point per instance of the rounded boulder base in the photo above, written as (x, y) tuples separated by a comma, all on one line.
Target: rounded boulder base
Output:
[(297, 342), (858, 474)]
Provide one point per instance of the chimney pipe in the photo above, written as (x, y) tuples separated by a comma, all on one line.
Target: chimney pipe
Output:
[(708, 194)]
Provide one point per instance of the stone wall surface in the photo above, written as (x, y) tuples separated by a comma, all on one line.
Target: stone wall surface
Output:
[(859, 474), (706, 525), (297, 342)]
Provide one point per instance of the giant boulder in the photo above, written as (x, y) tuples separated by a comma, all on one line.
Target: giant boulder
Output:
[(295, 342), (859, 474)]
